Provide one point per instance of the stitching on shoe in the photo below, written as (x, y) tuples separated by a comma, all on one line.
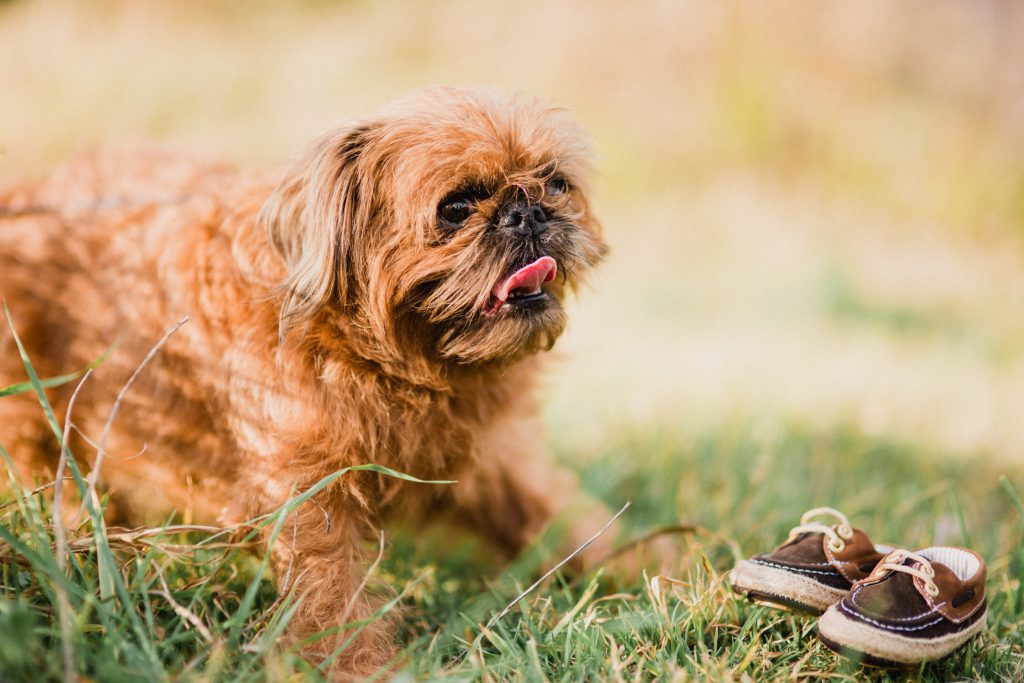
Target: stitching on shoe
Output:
[(889, 627), (853, 599), (794, 569)]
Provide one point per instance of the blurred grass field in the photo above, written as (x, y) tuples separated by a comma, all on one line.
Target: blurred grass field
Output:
[(815, 293)]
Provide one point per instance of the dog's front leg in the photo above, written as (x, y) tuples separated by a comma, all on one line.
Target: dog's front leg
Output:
[(514, 490), (321, 553)]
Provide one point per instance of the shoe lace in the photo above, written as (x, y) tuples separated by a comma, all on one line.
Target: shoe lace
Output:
[(837, 534), (893, 562)]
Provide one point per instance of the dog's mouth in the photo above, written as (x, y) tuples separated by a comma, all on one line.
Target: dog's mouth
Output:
[(522, 289)]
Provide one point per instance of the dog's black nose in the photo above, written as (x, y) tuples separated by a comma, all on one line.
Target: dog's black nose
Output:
[(525, 220)]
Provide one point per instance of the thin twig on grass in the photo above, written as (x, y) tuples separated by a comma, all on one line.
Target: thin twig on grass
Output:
[(133, 540), (96, 447), (186, 614), (36, 491), (60, 540), (95, 473), (343, 619), (558, 566)]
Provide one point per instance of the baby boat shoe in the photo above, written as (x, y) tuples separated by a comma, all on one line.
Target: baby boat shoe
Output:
[(814, 569), (914, 607)]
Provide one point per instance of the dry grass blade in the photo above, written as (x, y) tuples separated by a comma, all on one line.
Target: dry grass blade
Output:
[(181, 611), (136, 539), (60, 542), (95, 473), (95, 446), (558, 566), (36, 491), (343, 619)]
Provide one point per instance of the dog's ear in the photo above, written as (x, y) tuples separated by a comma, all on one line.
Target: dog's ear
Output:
[(314, 218)]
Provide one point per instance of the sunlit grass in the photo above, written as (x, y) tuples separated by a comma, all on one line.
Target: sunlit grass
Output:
[(813, 297), (141, 604), (184, 603), (729, 484)]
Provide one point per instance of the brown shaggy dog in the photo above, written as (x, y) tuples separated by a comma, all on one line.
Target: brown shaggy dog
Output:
[(380, 301)]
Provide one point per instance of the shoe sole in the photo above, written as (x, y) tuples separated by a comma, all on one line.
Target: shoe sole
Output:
[(783, 589), (878, 647)]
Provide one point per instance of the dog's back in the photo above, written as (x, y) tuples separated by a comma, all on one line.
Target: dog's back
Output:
[(84, 257)]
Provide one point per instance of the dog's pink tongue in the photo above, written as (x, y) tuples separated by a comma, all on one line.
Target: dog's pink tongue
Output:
[(528, 278)]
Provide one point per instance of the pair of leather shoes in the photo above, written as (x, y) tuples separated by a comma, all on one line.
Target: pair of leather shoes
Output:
[(878, 604)]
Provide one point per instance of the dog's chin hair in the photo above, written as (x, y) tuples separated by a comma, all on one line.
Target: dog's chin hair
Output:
[(457, 330), (430, 304), (505, 338)]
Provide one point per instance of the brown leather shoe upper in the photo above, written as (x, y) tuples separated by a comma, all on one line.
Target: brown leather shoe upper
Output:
[(812, 555), (956, 597), (916, 606), (856, 560)]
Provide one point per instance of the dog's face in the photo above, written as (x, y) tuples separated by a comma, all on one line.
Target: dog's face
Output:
[(450, 226)]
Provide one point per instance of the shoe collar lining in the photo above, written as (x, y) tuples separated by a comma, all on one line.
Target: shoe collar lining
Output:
[(962, 563)]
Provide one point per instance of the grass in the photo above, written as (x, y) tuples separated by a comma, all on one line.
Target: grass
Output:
[(187, 603), (814, 215), (744, 493), (140, 604)]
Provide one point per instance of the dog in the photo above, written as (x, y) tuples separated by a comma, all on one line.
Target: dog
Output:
[(384, 299)]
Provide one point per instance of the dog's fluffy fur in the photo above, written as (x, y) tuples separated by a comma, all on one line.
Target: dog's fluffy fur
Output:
[(336, 319)]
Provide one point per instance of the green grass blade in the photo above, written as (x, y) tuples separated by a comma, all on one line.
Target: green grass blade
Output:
[(958, 511), (1011, 492), (53, 382), (294, 503), (34, 379)]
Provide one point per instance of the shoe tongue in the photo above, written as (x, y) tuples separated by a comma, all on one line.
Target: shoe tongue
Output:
[(804, 549), (528, 279), (895, 595)]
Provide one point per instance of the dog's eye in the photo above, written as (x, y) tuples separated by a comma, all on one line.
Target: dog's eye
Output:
[(455, 210), (556, 186)]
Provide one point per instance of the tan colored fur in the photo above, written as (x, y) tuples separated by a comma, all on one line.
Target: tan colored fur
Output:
[(333, 323)]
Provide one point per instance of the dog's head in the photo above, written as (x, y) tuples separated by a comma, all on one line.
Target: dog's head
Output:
[(450, 226)]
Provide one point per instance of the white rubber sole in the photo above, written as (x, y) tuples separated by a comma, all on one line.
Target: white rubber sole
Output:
[(782, 587), (836, 629)]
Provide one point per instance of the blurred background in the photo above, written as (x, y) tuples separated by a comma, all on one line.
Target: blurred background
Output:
[(816, 209)]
